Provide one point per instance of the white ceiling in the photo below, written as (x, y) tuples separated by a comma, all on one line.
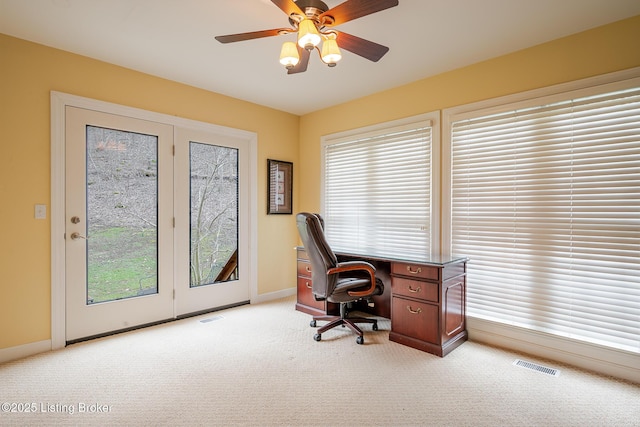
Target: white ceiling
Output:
[(174, 39)]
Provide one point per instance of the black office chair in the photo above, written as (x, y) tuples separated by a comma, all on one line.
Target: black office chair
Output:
[(337, 282)]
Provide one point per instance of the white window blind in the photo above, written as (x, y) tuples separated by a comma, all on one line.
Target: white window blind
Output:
[(546, 203), (377, 192)]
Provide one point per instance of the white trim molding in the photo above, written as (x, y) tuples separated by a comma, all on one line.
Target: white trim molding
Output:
[(25, 350), (271, 296)]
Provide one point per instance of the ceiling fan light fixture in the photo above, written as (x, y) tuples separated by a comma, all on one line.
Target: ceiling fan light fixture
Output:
[(308, 35), (313, 21), (289, 56), (330, 52)]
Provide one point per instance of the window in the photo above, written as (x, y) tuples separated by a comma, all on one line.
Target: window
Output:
[(378, 189), (545, 200)]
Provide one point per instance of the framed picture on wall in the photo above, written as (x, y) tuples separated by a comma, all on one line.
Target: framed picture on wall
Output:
[(279, 183)]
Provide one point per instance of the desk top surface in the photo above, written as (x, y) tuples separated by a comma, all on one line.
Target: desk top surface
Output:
[(435, 260)]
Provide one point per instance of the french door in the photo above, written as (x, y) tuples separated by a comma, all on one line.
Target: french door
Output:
[(155, 222), (211, 226)]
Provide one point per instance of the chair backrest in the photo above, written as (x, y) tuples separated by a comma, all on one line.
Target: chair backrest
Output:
[(322, 258)]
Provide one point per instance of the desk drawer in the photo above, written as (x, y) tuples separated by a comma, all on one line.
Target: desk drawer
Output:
[(415, 319), (304, 268), (427, 291), (419, 271), (305, 294)]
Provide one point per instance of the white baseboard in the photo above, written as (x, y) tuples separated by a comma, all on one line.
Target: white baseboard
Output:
[(592, 357), (20, 351), (273, 295)]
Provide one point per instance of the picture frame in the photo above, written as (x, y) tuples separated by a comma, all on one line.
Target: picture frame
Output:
[(279, 187)]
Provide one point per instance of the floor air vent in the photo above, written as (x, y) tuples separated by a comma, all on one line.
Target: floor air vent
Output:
[(211, 319), (537, 368)]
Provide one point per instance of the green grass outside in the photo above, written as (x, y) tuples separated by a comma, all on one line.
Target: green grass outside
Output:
[(121, 264)]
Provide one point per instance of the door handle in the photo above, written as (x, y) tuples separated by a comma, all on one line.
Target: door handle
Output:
[(75, 236)]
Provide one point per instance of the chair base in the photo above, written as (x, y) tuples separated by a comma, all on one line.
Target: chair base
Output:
[(343, 320)]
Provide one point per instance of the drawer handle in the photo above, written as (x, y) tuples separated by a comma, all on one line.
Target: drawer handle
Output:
[(414, 290), (306, 267), (308, 284), (417, 271), (417, 311)]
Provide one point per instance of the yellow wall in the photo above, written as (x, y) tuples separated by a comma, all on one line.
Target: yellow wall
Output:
[(599, 51), (28, 73)]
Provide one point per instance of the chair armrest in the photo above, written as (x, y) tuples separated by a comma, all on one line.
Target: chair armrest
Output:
[(357, 266)]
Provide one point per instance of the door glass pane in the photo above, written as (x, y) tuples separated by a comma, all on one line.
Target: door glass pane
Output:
[(214, 213), (122, 214)]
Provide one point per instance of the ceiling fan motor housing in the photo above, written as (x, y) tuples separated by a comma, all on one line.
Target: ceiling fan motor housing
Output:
[(312, 9)]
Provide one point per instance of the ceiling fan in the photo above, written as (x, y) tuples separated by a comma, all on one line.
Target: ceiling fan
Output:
[(314, 22)]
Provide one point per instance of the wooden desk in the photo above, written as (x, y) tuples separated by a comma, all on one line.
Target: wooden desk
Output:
[(426, 301)]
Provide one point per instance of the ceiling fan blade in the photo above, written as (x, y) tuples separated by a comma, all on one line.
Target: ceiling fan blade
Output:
[(288, 7), (252, 35), (353, 9), (301, 67), (365, 48)]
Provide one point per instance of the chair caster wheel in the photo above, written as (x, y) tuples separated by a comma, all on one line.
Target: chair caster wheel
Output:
[(360, 340), (317, 337), (312, 323), (375, 326)]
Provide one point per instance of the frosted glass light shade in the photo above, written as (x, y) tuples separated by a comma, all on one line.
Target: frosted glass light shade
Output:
[(330, 52), (289, 55), (308, 36)]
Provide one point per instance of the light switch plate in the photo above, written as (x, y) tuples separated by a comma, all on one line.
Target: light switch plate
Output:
[(41, 212)]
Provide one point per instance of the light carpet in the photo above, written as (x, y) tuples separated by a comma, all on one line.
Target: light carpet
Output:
[(258, 365)]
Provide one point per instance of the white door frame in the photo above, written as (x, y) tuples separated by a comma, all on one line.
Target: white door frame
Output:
[(61, 100)]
